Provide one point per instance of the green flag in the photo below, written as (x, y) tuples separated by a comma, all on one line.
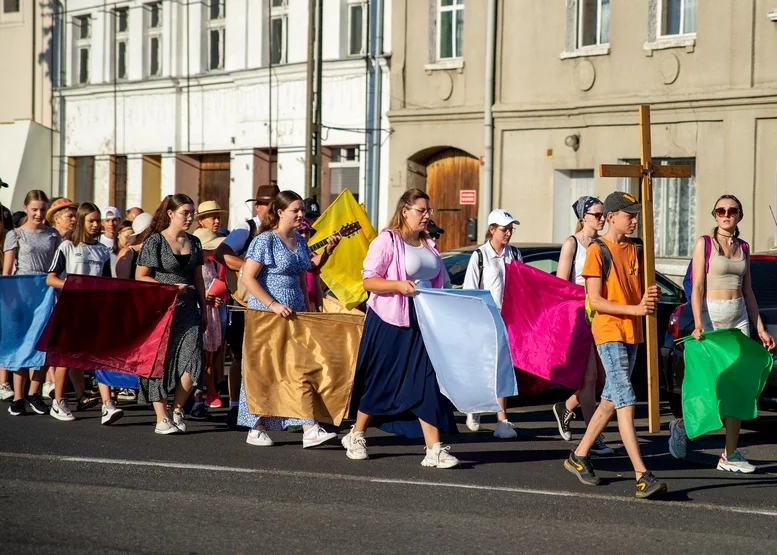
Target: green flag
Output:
[(725, 373)]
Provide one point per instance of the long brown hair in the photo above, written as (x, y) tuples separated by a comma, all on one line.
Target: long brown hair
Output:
[(35, 194), (407, 200), (714, 232), (126, 224), (281, 202), (161, 220), (79, 233)]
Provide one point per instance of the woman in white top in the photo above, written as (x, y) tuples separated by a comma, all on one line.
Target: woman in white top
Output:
[(486, 270), (590, 221)]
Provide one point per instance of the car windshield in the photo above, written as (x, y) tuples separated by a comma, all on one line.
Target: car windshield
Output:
[(763, 276)]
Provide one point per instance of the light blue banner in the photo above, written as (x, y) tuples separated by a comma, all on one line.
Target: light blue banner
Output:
[(26, 303)]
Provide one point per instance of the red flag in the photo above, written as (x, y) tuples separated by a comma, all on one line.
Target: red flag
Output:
[(116, 324)]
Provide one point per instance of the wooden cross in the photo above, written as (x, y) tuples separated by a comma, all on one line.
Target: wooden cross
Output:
[(645, 171)]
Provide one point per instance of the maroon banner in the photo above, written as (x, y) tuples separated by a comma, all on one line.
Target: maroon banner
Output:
[(114, 324)]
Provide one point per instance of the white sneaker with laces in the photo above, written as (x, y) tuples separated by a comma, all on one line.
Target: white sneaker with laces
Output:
[(60, 411), (316, 436), (473, 422), (6, 392), (178, 420), (259, 438), (735, 462), (505, 430), (166, 427), (439, 457), (355, 445), (678, 439), (111, 413), (48, 390)]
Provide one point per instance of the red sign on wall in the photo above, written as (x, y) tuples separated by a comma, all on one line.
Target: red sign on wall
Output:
[(468, 196)]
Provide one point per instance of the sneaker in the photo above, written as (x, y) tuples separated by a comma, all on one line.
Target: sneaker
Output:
[(735, 462), (316, 436), (213, 400), (17, 408), (60, 411), (504, 430), (564, 419), (232, 418), (439, 457), (166, 427), (6, 392), (473, 422), (199, 412), (259, 438), (678, 439), (355, 445), (36, 404), (601, 448), (111, 413), (178, 420), (648, 486), (127, 395), (582, 468), (48, 390), (86, 402)]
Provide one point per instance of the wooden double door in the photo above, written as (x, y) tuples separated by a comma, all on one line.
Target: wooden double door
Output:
[(215, 180), (447, 174)]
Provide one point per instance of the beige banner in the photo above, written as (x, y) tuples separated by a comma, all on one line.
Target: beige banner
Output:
[(302, 367)]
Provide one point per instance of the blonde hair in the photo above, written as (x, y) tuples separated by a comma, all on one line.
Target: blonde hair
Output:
[(35, 194), (407, 200)]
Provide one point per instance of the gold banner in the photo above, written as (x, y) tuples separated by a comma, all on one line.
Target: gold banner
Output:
[(302, 367)]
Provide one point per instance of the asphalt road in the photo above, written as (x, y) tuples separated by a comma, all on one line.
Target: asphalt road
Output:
[(84, 488)]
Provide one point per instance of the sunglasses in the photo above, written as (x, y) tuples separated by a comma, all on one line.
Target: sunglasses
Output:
[(597, 215), (726, 212)]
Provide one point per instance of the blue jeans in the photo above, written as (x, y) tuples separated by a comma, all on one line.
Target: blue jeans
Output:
[(618, 360)]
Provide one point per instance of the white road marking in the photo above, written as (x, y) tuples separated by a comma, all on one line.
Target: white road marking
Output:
[(368, 479)]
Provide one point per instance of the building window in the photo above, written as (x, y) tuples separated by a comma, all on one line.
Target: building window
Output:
[(217, 13), (344, 170), (450, 29), (677, 17), (279, 19), (120, 183), (593, 22), (121, 22), (83, 43), (12, 6), (357, 27), (153, 16)]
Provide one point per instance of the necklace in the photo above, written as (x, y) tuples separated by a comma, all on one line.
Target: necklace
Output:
[(724, 234), (591, 237)]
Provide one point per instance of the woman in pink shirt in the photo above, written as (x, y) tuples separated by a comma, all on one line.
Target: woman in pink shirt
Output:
[(395, 385)]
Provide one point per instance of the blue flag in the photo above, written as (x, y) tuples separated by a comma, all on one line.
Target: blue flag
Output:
[(26, 303)]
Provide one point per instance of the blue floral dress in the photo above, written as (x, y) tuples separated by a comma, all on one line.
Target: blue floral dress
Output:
[(280, 278)]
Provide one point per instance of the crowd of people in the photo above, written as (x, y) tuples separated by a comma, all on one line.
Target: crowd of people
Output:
[(265, 264)]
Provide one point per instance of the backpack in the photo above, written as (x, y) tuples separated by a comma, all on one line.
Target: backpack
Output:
[(688, 279), (607, 266), (513, 250)]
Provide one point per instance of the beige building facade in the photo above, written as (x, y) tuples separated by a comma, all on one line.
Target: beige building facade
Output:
[(569, 77)]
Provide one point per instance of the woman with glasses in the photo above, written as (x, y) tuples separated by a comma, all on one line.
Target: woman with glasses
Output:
[(722, 297), (590, 221), (171, 255), (486, 270)]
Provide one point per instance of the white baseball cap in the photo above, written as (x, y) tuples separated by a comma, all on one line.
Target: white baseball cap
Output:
[(141, 223), (501, 218), (111, 213)]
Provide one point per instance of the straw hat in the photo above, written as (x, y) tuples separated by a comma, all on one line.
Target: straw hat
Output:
[(208, 209), (57, 205), (210, 241)]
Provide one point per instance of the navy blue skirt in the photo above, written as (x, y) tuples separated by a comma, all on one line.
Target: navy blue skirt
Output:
[(395, 382)]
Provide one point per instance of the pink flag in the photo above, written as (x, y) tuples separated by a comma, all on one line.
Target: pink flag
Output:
[(546, 325)]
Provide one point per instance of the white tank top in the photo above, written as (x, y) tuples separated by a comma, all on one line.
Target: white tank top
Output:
[(579, 262)]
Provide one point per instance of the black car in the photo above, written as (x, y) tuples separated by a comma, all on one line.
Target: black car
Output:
[(545, 257), (763, 277)]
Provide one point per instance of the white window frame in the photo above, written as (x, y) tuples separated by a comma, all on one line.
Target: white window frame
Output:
[(80, 44), (579, 33), (153, 33), (279, 13), (456, 6), (365, 9), (11, 18), (218, 24), (657, 41), (660, 20), (121, 37), (574, 32), (345, 163)]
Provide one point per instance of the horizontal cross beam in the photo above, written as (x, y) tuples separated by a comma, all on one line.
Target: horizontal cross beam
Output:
[(635, 170)]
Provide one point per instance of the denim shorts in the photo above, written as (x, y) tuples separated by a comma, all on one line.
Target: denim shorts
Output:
[(618, 360)]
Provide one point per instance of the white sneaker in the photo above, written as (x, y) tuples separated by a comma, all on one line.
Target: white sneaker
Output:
[(48, 389), (6, 392), (504, 430), (178, 420), (60, 411), (110, 413), (316, 436), (439, 457), (355, 445), (473, 422), (259, 438), (735, 462), (166, 427)]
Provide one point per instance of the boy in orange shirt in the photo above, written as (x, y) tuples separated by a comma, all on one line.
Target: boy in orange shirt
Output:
[(619, 305)]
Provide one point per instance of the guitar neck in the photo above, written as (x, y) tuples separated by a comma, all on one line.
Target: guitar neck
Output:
[(315, 246)]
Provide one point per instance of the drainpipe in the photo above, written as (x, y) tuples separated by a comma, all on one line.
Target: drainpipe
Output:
[(487, 184), (377, 120)]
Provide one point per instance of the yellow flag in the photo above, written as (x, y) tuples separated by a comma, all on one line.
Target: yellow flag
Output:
[(342, 272)]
